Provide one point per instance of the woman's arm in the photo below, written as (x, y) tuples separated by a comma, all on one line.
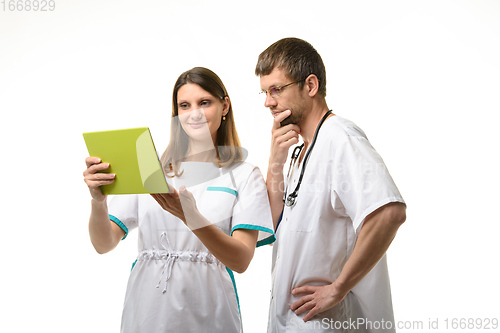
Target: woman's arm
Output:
[(104, 234), (235, 252)]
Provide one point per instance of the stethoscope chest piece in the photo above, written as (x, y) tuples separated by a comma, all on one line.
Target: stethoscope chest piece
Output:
[(290, 199)]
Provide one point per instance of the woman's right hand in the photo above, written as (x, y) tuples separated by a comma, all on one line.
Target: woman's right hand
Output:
[(95, 179)]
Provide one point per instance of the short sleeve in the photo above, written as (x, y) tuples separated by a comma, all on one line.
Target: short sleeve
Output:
[(123, 211), (361, 180), (252, 209)]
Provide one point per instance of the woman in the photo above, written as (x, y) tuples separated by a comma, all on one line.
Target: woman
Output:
[(190, 240)]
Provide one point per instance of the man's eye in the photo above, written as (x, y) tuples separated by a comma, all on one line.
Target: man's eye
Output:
[(275, 91)]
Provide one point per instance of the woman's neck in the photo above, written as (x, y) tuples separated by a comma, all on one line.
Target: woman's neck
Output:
[(201, 153)]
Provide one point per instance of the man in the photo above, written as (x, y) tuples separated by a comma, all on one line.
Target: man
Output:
[(329, 266)]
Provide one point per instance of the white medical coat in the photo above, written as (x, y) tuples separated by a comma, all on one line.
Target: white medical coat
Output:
[(344, 181), (176, 284)]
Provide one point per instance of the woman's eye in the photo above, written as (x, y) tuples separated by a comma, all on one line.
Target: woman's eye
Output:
[(184, 106), (205, 103)]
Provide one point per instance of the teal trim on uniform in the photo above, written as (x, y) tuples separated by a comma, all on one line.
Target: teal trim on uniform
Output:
[(223, 189), (265, 241), (252, 227), (235, 291), (120, 224), (133, 265)]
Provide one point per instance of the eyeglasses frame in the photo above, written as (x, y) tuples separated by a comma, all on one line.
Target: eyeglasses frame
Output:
[(278, 89)]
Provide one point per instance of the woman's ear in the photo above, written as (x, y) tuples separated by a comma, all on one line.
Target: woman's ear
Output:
[(226, 103), (312, 84)]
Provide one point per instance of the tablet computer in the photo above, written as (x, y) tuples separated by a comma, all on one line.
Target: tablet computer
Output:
[(132, 157)]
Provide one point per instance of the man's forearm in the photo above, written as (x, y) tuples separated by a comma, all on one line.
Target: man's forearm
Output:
[(275, 188), (377, 233)]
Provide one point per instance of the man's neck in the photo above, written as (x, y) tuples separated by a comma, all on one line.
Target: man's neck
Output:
[(309, 124)]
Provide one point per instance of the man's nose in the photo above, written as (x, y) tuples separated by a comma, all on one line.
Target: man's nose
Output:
[(270, 101)]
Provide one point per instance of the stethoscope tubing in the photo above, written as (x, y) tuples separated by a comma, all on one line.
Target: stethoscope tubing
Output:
[(292, 197)]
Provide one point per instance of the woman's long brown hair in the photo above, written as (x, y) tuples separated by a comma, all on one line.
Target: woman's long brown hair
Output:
[(227, 143)]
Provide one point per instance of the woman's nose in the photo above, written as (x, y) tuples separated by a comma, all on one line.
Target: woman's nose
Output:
[(197, 114)]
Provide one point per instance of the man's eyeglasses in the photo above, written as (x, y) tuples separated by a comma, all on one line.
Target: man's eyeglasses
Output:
[(276, 91)]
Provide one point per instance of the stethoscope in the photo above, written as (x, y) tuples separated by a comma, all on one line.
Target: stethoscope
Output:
[(291, 199)]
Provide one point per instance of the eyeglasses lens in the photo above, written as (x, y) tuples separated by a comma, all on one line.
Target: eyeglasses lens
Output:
[(274, 92)]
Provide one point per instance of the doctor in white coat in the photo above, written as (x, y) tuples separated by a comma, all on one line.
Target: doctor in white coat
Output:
[(336, 212)]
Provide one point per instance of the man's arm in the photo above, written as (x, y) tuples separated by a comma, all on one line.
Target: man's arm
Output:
[(275, 189), (282, 139), (377, 233)]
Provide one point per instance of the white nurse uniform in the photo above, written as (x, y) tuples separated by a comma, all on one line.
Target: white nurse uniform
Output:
[(176, 284)]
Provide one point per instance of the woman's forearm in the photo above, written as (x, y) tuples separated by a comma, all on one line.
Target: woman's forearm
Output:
[(235, 252), (103, 233)]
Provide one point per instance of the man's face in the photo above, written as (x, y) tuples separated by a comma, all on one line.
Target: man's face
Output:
[(289, 98)]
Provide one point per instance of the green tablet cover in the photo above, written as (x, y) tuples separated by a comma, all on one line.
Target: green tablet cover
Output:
[(132, 158)]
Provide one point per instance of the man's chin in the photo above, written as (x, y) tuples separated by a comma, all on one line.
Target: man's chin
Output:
[(289, 120)]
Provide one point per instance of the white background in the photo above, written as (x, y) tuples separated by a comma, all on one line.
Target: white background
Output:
[(422, 78)]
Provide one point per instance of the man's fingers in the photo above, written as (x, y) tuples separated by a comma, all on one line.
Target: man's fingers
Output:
[(305, 303), (305, 307), (291, 128), (314, 311), (285, 129), (279, 118), (300, 302), (304, 290), (317, 300), (287, 137)]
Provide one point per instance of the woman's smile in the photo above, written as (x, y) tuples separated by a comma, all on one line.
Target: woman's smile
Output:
[(196, 125)]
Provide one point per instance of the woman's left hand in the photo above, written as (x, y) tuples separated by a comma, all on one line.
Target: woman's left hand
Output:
[(181, 204), (171, 202)]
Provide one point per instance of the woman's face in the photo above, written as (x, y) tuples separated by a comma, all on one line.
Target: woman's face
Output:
[(200, 113)]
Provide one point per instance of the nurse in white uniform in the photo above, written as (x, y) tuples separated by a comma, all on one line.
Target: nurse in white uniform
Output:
[(190, 240)]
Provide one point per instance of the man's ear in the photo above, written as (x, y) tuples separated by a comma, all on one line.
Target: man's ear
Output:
[(312, 85)]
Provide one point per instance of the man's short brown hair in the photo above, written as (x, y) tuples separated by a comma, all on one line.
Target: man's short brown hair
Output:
[(297, 58)]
